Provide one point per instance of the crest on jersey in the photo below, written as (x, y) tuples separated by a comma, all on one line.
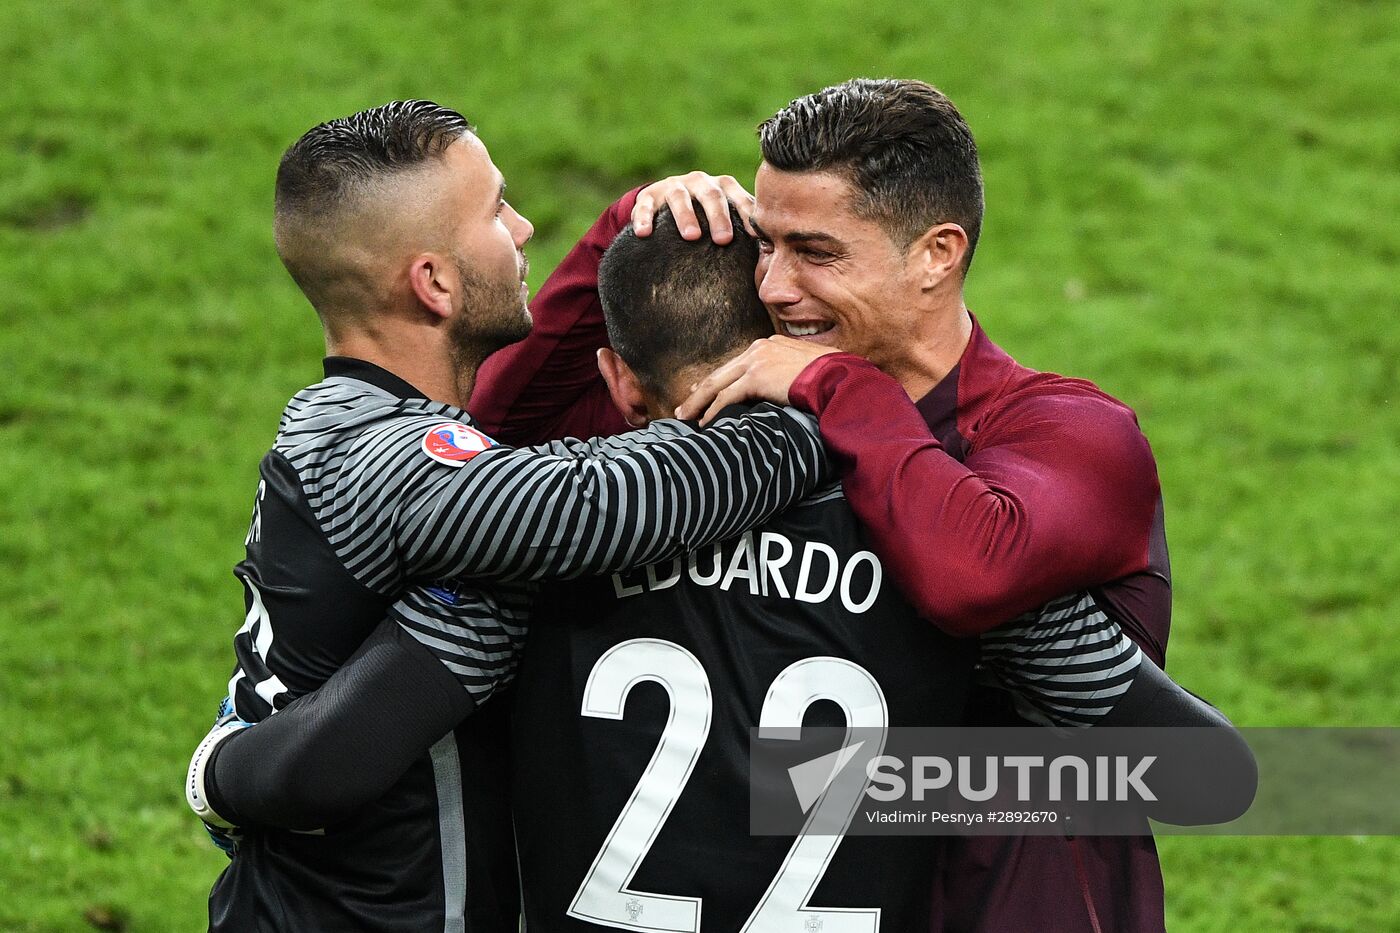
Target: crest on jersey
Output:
[(454, 443), (446, 592)]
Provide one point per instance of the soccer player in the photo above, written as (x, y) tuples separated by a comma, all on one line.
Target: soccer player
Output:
[(636, 694), (997, 487), (381, 497), (697, 650)]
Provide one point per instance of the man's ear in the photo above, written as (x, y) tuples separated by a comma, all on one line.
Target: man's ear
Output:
[(434, 281), (624, 387), (938, 254)]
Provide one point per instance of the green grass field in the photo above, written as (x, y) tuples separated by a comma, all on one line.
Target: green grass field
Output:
[(1196, 204)]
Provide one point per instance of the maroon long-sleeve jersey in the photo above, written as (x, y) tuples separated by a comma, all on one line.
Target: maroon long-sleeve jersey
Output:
[(999, 490), (996, 491)]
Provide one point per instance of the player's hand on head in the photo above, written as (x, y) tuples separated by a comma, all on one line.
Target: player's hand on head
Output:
[(764, 372), (714, 192)]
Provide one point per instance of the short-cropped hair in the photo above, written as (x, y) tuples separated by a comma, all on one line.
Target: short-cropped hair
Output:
[(330, 160), (334, 163), (670, 303), (901, 143)]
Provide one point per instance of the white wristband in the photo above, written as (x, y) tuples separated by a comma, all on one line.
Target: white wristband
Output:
[(195, 794)]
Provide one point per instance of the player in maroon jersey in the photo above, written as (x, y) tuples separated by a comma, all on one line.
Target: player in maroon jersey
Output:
[(996, 487)]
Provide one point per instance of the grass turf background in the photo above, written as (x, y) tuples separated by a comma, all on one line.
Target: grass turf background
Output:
[(1196, 204)]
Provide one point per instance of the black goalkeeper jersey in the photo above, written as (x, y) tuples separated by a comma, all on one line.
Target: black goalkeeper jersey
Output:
[(438, 843), (376, 502), (692, 649)]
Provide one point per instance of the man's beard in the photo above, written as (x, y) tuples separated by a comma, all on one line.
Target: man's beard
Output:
[(493, 316)]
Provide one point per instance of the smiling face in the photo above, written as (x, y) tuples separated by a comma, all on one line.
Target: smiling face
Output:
[(829, 276)]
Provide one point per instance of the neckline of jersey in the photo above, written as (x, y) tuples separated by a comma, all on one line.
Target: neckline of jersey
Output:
[(375, 375)]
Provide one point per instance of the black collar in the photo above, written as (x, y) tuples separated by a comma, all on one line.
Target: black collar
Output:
[(365, 371)]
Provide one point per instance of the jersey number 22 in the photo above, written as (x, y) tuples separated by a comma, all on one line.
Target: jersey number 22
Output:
[(605, 896)]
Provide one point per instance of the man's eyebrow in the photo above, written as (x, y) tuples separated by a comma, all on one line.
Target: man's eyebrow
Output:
[(797, 236), (801, 236)]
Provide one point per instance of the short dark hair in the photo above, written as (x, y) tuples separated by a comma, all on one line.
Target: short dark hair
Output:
[(901, 143), (331, 165), (671, 303), (331, 159)]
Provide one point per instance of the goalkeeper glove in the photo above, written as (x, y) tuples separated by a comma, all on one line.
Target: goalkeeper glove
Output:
[(224, 834)]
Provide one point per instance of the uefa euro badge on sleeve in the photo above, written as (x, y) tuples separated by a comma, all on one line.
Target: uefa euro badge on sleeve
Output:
[(454, 443)]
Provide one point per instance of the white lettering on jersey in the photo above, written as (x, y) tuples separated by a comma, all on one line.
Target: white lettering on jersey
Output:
[(255, 529), (767, 569), (606, 895)]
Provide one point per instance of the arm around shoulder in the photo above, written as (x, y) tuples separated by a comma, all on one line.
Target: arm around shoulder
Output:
[(1057, 492), (328, 754)]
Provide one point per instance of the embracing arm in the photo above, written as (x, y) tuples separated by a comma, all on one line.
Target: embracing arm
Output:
[(1057, 494), (566, 509), (579, 507), (1069, 665), (443, 650), (331, 752)]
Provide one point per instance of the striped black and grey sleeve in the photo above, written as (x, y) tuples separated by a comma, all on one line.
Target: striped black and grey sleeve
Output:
[(1065, 664), (476, 633), (572, 507)]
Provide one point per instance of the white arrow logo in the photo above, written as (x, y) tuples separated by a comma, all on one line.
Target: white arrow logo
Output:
[(811, 778)]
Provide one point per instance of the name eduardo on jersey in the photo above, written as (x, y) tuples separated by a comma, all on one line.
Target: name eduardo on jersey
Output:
[(767, 563), (632, 720)]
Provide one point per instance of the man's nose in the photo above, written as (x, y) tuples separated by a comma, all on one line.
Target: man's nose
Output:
[(520, 227), (777, 284)]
